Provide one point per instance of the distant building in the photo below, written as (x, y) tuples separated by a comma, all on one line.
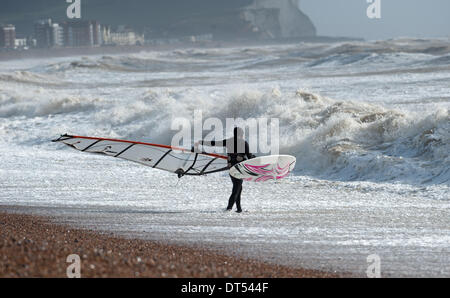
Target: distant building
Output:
[(43, 32), (123, 38), (7, 36), (31, 42), (48, 34), (57, 39), (98, 36), (21, 43), (82, 34), (126, 37), (106, 34)]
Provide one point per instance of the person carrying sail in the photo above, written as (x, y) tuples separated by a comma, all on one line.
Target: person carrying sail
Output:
[(237, 150)]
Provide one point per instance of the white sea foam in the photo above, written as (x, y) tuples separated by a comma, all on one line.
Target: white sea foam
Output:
[(343, 140)]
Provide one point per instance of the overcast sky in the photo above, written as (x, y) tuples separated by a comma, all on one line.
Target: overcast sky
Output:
[(413, 18)]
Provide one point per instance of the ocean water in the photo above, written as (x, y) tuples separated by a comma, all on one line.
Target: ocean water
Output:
[(368, 122)]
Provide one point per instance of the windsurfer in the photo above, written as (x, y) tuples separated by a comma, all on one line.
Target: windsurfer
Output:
[(237, 151)]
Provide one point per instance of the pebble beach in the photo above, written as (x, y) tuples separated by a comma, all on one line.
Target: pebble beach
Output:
[(34, 246)]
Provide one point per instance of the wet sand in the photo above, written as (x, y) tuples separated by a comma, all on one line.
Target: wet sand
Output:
[(34, 246)]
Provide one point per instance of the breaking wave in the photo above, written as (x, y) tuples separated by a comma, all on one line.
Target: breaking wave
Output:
[(142, 62), (36, 106), (342, 140), (26, 77), (353, 140)]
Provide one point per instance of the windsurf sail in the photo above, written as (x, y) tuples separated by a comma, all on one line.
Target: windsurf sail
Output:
[(172, 159)]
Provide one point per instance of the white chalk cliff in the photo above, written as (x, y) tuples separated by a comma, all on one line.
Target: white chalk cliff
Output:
[(279, 18)]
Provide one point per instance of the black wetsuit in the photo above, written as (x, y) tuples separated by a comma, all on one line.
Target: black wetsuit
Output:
[(237, 151)]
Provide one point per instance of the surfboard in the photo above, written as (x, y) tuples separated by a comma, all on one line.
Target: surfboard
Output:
[(264, 168)]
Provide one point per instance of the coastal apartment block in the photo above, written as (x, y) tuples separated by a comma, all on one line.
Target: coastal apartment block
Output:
[(7, 36)]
